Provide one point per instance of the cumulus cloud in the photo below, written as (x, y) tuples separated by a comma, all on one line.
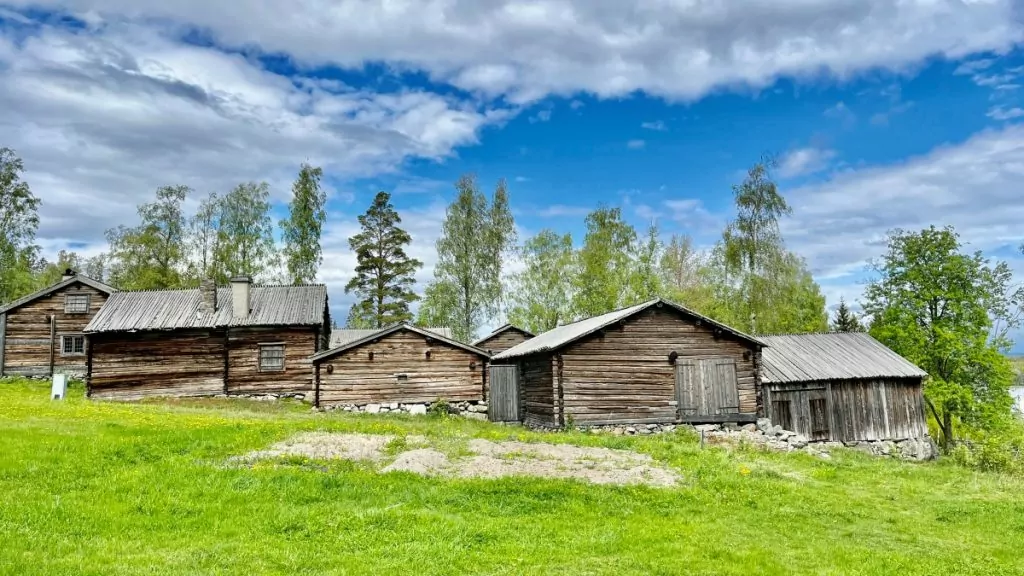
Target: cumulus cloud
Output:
[(608, 48), (635, 144), (803, 161), (657, 125)]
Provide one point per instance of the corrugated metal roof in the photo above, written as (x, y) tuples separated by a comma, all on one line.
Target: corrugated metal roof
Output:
[(374, 334), (562, 335), (501, 329), (105, 288), (837, 356), (173, 309), (341, 336)]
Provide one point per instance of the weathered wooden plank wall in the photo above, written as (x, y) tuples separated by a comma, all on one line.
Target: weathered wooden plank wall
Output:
[(504, 341), (28, 345), (133, 366), (3, 340), (503, 404), (538, 390), (624, 375), (450, 373), (244, 375)]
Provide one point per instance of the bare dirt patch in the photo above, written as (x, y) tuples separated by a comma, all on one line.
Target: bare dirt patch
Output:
[(481, 459)]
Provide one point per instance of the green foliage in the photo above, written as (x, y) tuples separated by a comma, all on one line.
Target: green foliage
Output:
[(845, 320), (947, 311), (440, 408), (151, 255), (245, 234), (688, 277), (476, 238), (645, 279), (19, 220), (604, 264), (356, 320), (384, 274), (302, 229), (202, 240), (541, 295)]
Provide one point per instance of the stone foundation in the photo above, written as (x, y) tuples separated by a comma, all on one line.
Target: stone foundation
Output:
[(766, 435), (474, 410)]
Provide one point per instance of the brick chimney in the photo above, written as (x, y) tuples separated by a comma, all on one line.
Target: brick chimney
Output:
[(207, 296), (68, 274), (240, 290)]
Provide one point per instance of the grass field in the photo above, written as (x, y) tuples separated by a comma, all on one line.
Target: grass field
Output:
[(97, 488)]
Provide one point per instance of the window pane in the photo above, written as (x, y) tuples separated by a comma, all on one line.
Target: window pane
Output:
[(76, 303), (272, 357), (79, 342), (66, 344)]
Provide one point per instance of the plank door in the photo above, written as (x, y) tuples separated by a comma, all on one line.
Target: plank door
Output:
[(706, 387), (503, 404)]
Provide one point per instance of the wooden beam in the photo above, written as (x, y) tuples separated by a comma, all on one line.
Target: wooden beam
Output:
[(719, 419), (561, 391), (3, 340), (226, 362), (53, 336), (316, 385), (88, 367)]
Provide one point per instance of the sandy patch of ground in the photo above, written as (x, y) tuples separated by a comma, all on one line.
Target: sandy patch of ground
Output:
[(484, 459)]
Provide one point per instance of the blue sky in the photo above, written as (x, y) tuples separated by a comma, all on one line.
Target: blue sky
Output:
[(883, 114)]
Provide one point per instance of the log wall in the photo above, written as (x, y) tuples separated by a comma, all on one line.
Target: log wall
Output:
[(244, 376), (28, 345), (537, 390), (504, 341), (352, 377), (624, 374), (137, 365)]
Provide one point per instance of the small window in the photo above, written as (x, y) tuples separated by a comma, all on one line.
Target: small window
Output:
[(72, 345), (271, 357), (781, 415), (76, 303)]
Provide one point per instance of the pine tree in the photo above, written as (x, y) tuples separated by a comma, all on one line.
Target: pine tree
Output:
[(385, 274), (846, 320)]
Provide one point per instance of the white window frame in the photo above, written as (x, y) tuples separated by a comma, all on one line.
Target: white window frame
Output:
[(67, 302), (267, 346), (63, 348)]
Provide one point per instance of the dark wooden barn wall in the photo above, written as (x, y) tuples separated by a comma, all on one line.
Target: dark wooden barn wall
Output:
[(180, 363), (447, 374), (858, 410), (27, 334), (624, 375), (504, 341), (244, 376), (537, 390)]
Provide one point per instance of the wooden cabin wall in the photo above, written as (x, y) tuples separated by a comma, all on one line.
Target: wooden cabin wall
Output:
[(537, 393), (889, 409), (356, 379), (244, 376), (624, 375), (129, 366), (27, 333), (504, 341)]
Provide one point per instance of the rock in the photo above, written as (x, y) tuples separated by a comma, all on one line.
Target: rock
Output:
[(764, 425), (831, 445), (372, 408), (798, 441), (707, 427), (786, 434), (644, 431), (749, 428), (652, 426), (417, 409), (393, 406), (776, 430), (475, 416), (630, 430), (618, 431)]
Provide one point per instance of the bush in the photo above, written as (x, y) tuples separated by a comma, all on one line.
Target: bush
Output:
[(440, 408), (995, 451)]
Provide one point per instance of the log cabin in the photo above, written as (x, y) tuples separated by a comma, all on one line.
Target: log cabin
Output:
[(341, 336), (656, 362), (237, 340), (503, 338), (402, 363), (43, 332), (842, 387)]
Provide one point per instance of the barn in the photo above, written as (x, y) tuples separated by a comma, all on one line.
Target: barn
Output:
[(237, 340), (843, 387), (503, 338), (43, 333), (656, 362), (401, 364)]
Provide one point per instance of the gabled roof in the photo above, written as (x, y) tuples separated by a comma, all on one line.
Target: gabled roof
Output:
[(179, 309), (392, 329), (106, 289), (341, 336), (558, 337), (501, 330), (836, 356)]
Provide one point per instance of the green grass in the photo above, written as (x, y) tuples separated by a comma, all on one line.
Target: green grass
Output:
[(103, 488)]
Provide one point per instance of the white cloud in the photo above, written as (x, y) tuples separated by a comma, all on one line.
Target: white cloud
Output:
[(657, 126), (1002, 113), (803, 161), (840, 111), (521, 179), (608, 48), (635, 144), (559, 210), (541, 116)]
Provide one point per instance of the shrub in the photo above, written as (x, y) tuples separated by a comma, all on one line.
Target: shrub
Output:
[(440, 408)]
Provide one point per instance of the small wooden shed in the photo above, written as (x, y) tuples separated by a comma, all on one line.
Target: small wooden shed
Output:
[(503, 338), (842, 387), (401, 363), (237, 340), (657, 362), (43, 332)]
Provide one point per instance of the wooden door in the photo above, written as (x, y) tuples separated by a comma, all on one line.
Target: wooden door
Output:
[(706, 387), (503, 404)]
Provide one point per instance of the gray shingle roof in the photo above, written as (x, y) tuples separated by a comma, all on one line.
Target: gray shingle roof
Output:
[(562, 335), (374, 334), (501, 329), (838, 356), (107, 289), (341, 336), (179, 309)]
